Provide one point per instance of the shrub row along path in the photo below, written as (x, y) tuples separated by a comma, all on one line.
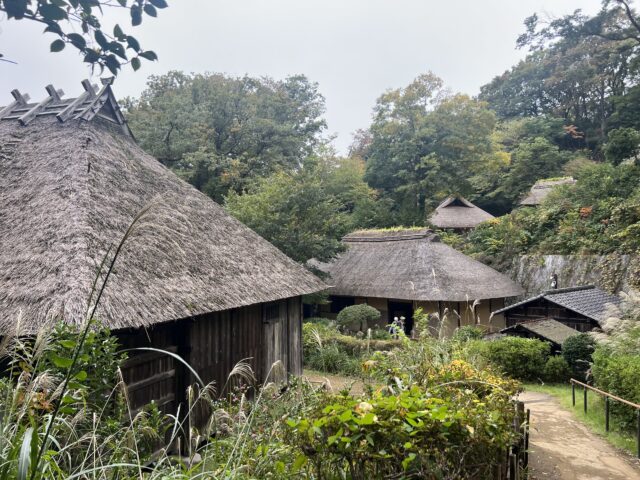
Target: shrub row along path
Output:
[(563, 448)]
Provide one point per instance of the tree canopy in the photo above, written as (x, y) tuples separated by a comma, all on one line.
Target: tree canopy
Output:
[(221, 132)]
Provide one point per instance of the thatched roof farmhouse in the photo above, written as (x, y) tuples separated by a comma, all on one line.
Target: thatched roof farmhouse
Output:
[(72, 179), (542, 188), (458, 213), (399, 271)]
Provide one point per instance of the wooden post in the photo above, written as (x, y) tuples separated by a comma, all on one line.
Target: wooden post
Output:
[(606, 413), (573, 393), (526, 439), (585, 400), (638, 432)]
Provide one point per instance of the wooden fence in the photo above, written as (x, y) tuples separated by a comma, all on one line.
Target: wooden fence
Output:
[(607, 396)]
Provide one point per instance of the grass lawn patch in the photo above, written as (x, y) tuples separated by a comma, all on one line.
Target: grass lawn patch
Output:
[(594, 419)]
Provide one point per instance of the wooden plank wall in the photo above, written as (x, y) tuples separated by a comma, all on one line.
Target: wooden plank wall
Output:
[(150, 375), (213, 344)]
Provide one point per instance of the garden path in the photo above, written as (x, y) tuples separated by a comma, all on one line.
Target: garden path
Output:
[(563, 448), (333, 382)]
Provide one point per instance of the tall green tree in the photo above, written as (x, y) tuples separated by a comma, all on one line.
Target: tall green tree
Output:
[(426, 144), (305, 213), (221, 132)]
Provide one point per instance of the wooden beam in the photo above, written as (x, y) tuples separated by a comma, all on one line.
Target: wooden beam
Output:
[(31, 114), (88, 94), (19, 101)]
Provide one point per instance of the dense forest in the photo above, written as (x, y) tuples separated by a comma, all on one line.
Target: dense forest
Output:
[(569, 108)]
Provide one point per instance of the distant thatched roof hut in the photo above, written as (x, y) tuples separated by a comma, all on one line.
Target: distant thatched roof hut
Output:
[(542, 188), (458, 213), (71, 181), (412, 267)]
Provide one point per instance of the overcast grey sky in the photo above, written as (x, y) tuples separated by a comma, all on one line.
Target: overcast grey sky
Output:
[(354, 49)]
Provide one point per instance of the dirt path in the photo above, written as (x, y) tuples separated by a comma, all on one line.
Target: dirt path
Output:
[(335, 383), (563, 448)]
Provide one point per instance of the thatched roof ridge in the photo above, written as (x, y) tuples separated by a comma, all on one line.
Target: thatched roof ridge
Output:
[(412, 265), (68, 191), (542, 188), (458, 212)]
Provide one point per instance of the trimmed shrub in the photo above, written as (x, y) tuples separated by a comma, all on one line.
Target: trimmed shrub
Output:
[(520, 358), (466, 333), (577, 351), (556, 370), (357, 318)]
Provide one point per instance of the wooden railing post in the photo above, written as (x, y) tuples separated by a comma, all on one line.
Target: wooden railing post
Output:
[(585, 400), (573, 393), (638, 433), (606, 413)]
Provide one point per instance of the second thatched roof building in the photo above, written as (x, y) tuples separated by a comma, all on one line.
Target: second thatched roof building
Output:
[(400, 271)]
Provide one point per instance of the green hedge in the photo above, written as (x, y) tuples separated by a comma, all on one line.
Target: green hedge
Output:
[(519, 358), (618, 374)]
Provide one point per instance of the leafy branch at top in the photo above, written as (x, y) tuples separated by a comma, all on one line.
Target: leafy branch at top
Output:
[(99, 47)]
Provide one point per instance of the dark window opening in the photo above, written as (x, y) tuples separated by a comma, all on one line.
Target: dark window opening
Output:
[(339, 303)]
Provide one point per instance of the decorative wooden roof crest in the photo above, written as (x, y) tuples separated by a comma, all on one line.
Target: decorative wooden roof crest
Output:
[(94, 101)]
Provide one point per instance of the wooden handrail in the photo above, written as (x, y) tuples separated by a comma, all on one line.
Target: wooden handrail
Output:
[(606, 394)]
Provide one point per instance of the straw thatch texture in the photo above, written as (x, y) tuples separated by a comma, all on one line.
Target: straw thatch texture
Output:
[(542, 188), (458, 212), (68, 191), (412, 265), (547, 329)]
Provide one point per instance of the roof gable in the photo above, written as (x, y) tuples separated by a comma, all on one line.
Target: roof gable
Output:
[(89, 104), (458, 212)]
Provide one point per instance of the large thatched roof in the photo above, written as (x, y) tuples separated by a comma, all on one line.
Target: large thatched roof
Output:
[(458, 212), (542, 188), (412, 265), (69, 188)]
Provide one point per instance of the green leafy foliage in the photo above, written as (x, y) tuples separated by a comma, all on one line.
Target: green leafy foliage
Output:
[(519, 358), (306, 213), (577, 351), (358, 318), (557, 370), (599, 214), (220, 132), (412, 428), (98, 47)]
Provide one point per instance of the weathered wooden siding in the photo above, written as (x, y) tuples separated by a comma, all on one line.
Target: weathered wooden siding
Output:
[(152, 375), (213, 344)]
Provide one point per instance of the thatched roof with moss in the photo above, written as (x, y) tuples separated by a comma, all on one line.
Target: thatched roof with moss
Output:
[(412, 265), (70, 189), (458, 212), (542, 188)]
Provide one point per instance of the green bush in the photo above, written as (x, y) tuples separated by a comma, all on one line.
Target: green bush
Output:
[(357, 318), (327, 350), (556, 370), (466, 333), (519, 358), (456, 425), (577, 350), (618, 374)]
